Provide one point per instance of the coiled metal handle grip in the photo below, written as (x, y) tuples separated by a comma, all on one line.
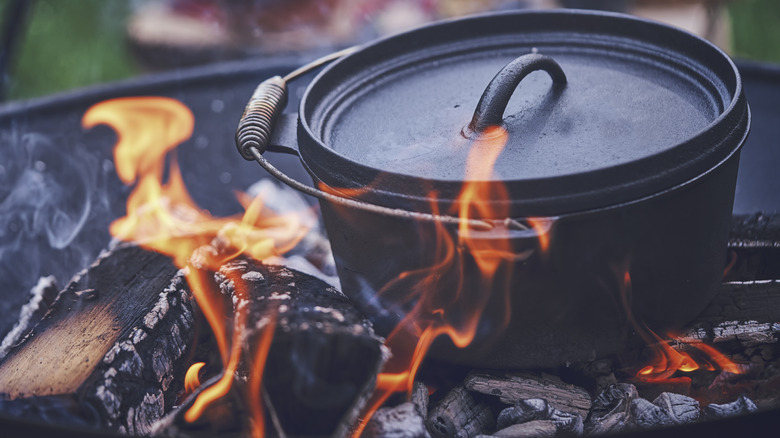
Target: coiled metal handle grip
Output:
[(257, 121)]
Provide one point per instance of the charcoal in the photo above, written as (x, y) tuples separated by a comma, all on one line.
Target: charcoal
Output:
[(646, 415), (420, 398), (511, 387), (742, 405), (611, 409), (458, 414), (567, 423), (681, 408), (402, 421), (523, 411), (535, 428), (538, 409)]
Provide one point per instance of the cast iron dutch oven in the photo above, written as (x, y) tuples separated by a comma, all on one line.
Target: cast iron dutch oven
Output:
[(622, 139)]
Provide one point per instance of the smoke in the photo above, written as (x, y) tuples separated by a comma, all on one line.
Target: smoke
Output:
[(44, 193), (47, 195)]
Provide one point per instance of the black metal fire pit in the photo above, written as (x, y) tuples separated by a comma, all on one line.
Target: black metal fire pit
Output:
[(48, 131)]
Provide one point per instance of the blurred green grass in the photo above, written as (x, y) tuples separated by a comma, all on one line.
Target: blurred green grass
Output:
[(755, 27), (68, 44)]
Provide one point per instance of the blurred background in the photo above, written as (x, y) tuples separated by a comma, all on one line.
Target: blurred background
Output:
[(50, 46)]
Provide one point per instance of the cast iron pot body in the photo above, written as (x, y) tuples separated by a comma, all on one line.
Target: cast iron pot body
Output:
[(638, 241)]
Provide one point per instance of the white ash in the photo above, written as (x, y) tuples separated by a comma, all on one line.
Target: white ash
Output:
[(338, 316), (158, 312), (302, 264), (253, 276), (41, 295)]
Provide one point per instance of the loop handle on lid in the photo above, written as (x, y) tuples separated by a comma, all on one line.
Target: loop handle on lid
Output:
[(491, 106)]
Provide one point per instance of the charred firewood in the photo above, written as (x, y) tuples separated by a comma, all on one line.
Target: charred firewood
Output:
[(402, 421), (226, 417), (420, 398), (681, 409), (646, 415), (324, 356), (611, 410), (511, 387), (113, 340), (754, 248), (744, 314), (740, 406), (534, 428), (537, 410), (459, 414)]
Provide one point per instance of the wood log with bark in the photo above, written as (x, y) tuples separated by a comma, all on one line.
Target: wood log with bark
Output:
[(109, 344), (323, 357)]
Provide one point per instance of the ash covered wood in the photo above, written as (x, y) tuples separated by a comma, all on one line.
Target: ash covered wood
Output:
[(744, 313), (460, 414), (420, 398), (742, 405), (611, 410), (402, 421), (530, 410), (113, 339), (511, 387), (682, 409), (535, 428), (646, 415)]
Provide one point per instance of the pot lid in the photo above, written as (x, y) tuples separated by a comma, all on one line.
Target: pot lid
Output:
[(596, 109)]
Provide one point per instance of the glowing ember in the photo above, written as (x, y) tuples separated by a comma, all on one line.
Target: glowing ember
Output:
[(161, 216)]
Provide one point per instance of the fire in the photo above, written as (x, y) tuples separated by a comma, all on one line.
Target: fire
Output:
[(456, 313), (668, 361), (161, 216), (192, 378)]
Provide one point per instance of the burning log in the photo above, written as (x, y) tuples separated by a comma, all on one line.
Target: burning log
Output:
[(322, 360), (324, 356), (113, 340), (512, 387), (459, 414)]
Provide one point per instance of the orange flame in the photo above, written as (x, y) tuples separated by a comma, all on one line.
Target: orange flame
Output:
[(457, 312), (668, 361), (163, 217), (192, 378)]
